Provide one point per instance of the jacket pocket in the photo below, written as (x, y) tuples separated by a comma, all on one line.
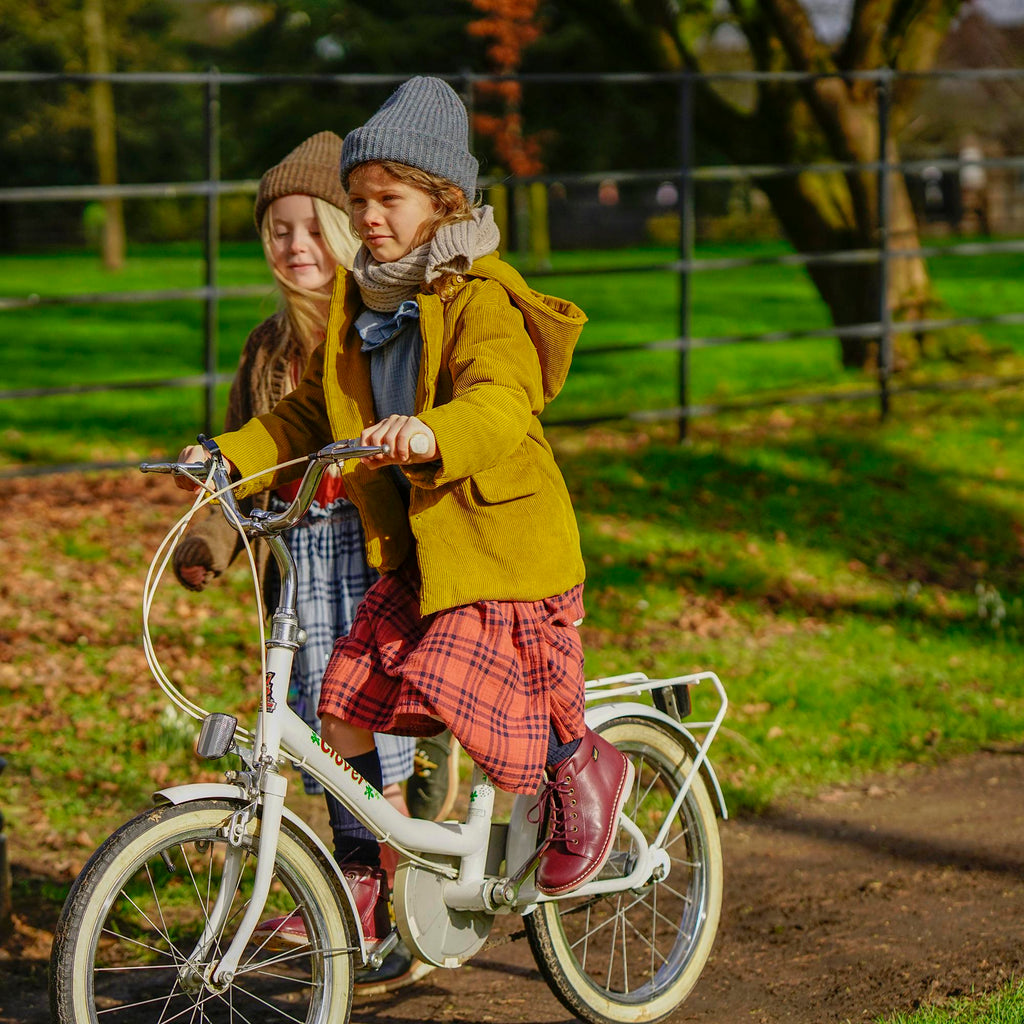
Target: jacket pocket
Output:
[(505, 482)]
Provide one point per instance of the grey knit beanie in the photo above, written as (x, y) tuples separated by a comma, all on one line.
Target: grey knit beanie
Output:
[(311, 169), (423, 124)]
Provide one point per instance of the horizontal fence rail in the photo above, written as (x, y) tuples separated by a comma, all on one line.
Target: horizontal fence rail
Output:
[(686, 268)]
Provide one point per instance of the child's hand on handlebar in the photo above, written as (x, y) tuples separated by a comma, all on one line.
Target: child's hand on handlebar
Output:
[(191, 453), (409, 439), (195, 453)]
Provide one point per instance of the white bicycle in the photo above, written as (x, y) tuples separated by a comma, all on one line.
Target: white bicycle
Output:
[(158, 926)]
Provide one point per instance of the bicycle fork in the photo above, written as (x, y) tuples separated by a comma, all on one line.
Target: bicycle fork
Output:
[(218, 975)]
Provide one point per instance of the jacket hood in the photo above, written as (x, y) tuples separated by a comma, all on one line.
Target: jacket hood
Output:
[(554, 324)]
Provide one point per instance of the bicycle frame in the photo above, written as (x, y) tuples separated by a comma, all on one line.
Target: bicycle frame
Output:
[(280, 735)]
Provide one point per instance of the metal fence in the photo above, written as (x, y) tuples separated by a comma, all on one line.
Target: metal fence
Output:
[(687, 268)]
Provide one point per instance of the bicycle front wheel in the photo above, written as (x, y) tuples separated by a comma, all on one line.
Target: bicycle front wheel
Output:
[(636, 955), (143, 923)]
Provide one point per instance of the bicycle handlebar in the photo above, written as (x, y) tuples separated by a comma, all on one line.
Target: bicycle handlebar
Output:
[(260, 522)]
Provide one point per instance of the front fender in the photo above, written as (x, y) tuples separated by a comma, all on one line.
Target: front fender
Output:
[(237, 794)]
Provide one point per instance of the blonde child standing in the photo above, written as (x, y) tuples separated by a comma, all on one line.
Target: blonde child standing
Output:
[(440, 350)]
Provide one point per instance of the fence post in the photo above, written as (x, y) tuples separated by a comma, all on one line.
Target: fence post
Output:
[(884, 312), (686, 235), (211, 247)]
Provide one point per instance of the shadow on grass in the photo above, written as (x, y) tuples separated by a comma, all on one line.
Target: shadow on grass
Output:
[(778, 523)]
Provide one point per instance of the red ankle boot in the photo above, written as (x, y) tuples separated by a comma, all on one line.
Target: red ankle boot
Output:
[(581, 805), (369, 887)]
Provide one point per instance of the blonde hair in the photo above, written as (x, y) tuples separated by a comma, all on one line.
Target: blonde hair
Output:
[(303, 308)]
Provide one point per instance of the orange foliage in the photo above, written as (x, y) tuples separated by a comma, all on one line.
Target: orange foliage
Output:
[(511, 26)]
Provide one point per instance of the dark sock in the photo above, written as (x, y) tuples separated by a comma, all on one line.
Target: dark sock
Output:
[(558, 751), (354, 843)]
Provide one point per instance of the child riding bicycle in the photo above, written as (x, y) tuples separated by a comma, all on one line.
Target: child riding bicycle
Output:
[(441, 351)]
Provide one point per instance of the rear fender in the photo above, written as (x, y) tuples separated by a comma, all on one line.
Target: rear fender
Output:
[(524, 821), (600, 714)]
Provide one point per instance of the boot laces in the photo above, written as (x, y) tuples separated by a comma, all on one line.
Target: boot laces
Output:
[(556, 806)]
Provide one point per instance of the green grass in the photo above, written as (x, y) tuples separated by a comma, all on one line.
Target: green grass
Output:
[(90, 344), (1005, 1007), (829, 569), (856, 584), (824, 564)]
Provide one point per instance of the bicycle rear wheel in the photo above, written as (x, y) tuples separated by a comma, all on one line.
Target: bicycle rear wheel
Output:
[(636, 955), (134, 916)]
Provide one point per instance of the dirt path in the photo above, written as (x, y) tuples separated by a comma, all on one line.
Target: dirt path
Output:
[(842, 908)]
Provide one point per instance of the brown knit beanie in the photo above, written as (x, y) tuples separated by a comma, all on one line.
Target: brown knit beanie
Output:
[(311, 169)]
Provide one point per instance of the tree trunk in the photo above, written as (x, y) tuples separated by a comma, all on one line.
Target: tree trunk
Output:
[(805, 208), (540, 234), (837, 212), (104, 132)]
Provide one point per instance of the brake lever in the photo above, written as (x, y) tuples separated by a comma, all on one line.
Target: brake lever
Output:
[(350, 448)]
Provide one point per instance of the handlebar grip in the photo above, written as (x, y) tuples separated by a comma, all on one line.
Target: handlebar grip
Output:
[(350, 449), (175, 468)]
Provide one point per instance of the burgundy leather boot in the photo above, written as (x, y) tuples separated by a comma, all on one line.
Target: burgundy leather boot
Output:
[(582, 801), (369, 890)]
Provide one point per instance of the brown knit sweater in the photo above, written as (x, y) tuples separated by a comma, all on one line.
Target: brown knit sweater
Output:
[(264, 377)]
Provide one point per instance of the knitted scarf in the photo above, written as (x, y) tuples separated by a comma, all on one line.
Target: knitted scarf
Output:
[(452, 250)]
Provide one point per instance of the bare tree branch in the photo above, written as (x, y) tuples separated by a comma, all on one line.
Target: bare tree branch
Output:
[(795, 31), (865, 45)]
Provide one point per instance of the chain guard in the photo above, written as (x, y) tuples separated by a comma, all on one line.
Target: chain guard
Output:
[(433, 931)]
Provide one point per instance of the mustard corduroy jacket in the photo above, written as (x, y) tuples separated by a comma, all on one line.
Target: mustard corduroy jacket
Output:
[(491, 518)]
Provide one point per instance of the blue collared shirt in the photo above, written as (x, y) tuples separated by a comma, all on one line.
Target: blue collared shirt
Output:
[(394, 343)]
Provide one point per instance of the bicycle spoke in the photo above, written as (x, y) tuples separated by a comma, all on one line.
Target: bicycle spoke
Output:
[(163, 935), (195, 1006), (142, 945), (139, 1003), (199, 896), (591, 932), (647, 941), (683, 897), (306, 949), (681, 836), (160, 909), (611, 955), (625, 963), (277, 1009), (584, 950), (655, 779), (234, 1010), (129, 968)]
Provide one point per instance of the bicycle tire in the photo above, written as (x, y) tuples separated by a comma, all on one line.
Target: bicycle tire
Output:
[(134, 915), (636, 955)]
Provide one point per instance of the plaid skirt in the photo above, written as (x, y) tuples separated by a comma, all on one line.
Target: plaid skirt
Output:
[(498, 674), (329, 554)]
